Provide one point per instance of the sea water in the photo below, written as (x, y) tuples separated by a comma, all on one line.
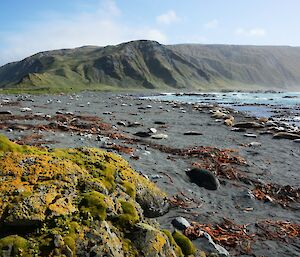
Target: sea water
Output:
[(284, 106)]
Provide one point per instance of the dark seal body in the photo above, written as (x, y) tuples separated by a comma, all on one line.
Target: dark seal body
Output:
[(203, 178)]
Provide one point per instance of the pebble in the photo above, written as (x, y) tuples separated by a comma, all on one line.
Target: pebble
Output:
[(121, 123), (297, 141), (192, 133), (250, 135), (152, 130), (25, 109), (180, 223), (159, 136), (142, 134), (255, 144)]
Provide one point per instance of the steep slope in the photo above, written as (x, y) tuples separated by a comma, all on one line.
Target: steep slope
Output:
[(149, 65)]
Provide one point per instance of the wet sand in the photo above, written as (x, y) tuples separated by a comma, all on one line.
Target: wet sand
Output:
[(275, 161)]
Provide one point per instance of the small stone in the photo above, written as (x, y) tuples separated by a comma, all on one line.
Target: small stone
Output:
[(238, 129), (180, 223), (255, 144), (250, 135), (152, 130), (192, 133), (297, 141), (25, 109), (159, 136), (107, 113), (134, 124), (142, 134), (121, 123)]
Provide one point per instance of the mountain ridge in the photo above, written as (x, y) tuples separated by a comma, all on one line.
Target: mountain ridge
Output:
[(145, 64)]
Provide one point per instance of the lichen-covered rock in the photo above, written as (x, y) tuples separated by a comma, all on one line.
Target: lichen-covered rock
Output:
[(152, 242), (77, 202)]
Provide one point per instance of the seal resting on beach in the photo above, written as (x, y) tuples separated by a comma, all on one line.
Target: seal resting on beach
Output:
[(203, 178)]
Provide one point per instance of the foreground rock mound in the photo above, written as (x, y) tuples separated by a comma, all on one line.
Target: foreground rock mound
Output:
[(77, 202)]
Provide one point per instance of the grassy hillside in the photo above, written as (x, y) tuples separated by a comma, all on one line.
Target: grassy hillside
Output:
[(140, 65)]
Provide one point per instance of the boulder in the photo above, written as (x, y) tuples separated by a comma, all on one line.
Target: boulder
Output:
[(151, 242), (203, 178)]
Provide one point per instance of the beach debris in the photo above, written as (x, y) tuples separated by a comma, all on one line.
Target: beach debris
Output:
[(159, 136), (181, 200), (278, 230), (192, 133), (250, 135), (120, 148), (227, 234), (286, 135), (180, 223), (251, 124), (283, 195), (203, 178)]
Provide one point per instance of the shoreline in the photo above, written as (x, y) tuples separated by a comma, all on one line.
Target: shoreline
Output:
[(272, 162)]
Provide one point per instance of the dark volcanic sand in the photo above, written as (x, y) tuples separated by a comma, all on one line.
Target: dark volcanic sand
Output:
[(275, 161)]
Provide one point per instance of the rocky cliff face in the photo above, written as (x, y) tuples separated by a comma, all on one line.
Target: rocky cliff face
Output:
[(77, 202), (150, 65)]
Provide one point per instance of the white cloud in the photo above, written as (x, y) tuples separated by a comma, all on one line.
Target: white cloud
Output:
[(254, 32), (101, 27), (213, 24), (167, 18)]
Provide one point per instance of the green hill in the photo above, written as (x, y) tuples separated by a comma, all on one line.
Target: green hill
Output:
[(140, 65)]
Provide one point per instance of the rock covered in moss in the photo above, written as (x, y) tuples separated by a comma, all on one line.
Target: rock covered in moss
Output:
[(77, 202)]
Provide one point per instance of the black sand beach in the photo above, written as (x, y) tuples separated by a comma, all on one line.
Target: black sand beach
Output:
[(259, 182)]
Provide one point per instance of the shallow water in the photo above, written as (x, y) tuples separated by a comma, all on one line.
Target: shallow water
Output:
[(279, 106)]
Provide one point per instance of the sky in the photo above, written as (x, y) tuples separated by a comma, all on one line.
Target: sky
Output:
[(31, 26)]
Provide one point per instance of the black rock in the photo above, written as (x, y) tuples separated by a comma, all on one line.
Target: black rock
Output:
[(142, 134), (203, 178)]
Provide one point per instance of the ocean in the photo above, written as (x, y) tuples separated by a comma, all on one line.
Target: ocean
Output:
[(284, 106)]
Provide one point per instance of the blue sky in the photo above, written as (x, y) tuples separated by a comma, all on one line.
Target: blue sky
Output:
[(30, 26)]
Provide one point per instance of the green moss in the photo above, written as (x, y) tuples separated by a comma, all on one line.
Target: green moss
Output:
[(129, 188), (129, 249), (173, 243), (94, 203), (184, 243), (70, 242), (129, 217), (19, 245), (8, 146)]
